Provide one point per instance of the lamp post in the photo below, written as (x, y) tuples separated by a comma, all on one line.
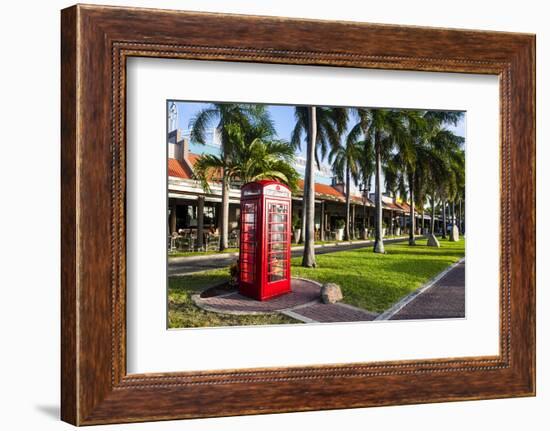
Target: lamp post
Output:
[(364, 188)]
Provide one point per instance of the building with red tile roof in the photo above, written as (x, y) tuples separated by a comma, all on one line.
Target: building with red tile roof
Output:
[(188, 201)]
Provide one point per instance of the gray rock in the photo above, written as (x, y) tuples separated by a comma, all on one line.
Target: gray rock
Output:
[(331, 293), (454, 234), (432, 241)]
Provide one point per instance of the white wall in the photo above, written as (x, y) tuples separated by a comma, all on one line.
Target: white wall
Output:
[(29, 305)]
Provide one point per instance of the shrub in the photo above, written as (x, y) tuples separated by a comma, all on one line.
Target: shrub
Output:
[(296, 224), (234, 274)]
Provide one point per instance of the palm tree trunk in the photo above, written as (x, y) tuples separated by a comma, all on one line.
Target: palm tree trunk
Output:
[(308, 259), (322, 224), (225, 213), (423, 212), (460, 217), (432, 221), (412, 215), (454, 213), (363, 235), (352, 221), (444, 212), (303, 229), (378, 241), (347, 236)]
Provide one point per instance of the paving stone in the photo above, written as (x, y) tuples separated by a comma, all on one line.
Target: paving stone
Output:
[(332, 313), (445, 299), (303, 301), (303, 291)]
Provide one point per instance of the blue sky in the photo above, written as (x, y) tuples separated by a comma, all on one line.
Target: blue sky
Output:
[(283, 118)]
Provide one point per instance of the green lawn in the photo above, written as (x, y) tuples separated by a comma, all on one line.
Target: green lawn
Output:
[(199, 253), (368, 280), (235, 250), (370, 238), (374, 281)]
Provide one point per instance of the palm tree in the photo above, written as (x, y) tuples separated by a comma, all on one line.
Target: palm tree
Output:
[(322, 127), (456, 181), (430, 170), (461, 200), (219, 116), (346, 162), (429, 147), (444, 212), (383, 128), (410, 156), (443, 166), (449, 147), (434, 174), (255, 155), (366, 171)]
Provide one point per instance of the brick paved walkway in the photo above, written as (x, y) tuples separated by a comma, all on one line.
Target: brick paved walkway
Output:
[(331, 313), (445, 299), (303, 292), (303, 303)]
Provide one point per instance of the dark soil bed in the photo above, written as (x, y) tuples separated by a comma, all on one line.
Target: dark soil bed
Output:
[(218, 289)]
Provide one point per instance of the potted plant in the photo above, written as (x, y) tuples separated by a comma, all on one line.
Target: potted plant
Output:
[(296, 228), (340, 223)]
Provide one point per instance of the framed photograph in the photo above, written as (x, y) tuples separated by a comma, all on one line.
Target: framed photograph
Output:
[(268, 215)]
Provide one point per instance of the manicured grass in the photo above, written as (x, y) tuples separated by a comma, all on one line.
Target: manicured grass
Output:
[(199, 253), (374, 281), (368, 280), (370, 238), (182, 313), (236, 250)]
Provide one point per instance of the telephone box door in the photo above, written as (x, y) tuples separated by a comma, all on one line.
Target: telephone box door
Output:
[(248, 246), (277, 246)]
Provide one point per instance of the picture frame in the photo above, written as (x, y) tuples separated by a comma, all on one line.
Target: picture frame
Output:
[(96, 41)]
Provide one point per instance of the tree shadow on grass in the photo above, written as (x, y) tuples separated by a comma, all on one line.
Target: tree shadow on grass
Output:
[(425, 269), (414, 251), (197, 281), (371, 291)]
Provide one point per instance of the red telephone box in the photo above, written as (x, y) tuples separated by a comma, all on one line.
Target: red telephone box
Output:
[(264, 258)]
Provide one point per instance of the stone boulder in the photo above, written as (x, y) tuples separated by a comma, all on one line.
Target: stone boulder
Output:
[(454, 234), (432, 241), (331, 293)]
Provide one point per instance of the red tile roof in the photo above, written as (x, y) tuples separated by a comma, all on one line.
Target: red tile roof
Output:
[(359, 200), (178, 169), (405, 206), (181, 170), (392, 206), (324, 190), (192, 157)]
